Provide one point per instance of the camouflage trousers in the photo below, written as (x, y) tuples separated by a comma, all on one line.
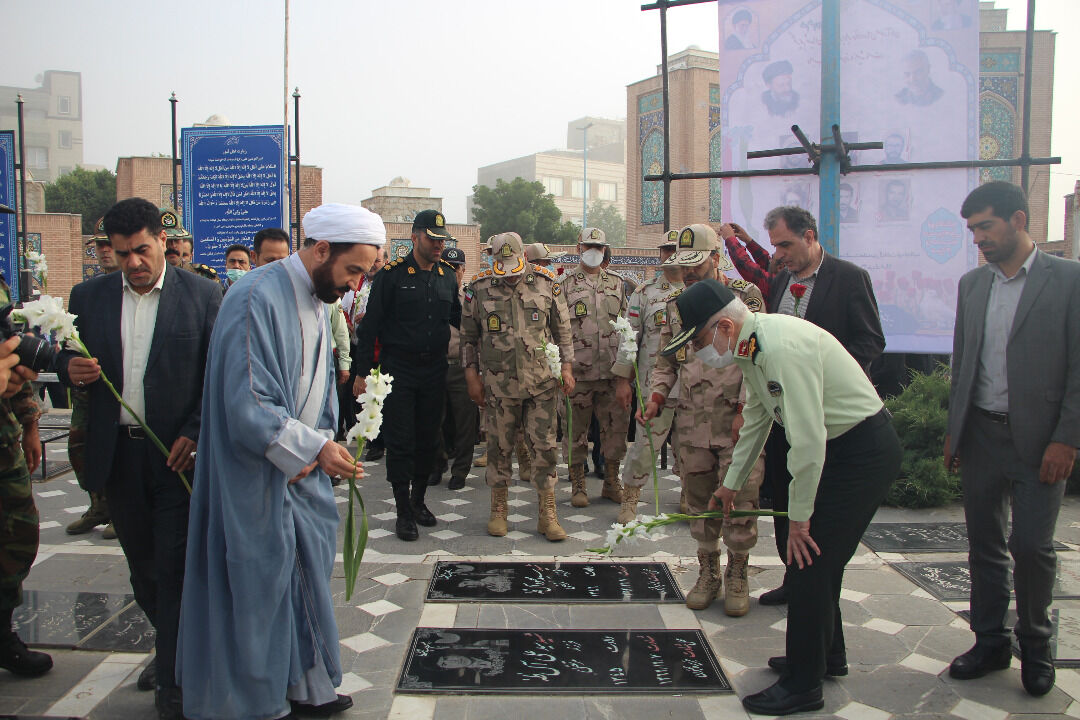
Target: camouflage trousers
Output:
[(506, 419), (80, 410), (703, 472), (598, 397), (637, 470), (18, 524)]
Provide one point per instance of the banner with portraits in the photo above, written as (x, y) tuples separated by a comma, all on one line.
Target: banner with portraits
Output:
[(909, 77)]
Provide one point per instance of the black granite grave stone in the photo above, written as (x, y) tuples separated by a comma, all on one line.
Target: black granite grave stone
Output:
[(64, 619), (951, 581), (456, 660), (130, 631), (561, 582), (921, 537)]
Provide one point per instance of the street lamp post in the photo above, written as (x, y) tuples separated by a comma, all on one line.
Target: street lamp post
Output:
[(585, 179)]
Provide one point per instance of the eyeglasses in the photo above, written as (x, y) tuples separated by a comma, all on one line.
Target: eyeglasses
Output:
[(697, 343)]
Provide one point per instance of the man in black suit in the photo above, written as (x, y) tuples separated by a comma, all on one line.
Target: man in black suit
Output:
[(148, 329), (836, 296), (1014, 426)]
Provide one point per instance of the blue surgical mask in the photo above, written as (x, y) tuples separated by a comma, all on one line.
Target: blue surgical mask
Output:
[(235, 274)]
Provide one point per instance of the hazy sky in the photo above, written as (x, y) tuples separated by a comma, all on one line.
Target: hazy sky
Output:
[(427, 89)]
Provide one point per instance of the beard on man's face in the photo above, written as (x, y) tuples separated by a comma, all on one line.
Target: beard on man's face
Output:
[(322, 277)]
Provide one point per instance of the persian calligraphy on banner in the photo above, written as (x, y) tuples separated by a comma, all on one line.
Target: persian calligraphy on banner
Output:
[(9, 251), (235, 183), (909, 78)]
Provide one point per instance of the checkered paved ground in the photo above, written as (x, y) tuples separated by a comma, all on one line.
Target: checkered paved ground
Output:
[(900, 638)]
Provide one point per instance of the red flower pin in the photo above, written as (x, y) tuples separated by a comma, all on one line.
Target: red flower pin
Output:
[(797, 292)]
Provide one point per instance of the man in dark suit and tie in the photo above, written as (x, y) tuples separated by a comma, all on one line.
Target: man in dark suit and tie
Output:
[(834, 294), (1014, 426), (148, 329)]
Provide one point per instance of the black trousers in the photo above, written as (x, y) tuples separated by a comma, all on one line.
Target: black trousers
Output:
[(412, 420), (860, 465), (149, 508), (777, 478)]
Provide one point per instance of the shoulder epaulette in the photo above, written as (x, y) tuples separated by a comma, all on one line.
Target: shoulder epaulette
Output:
[(740, 284), (674, 294), (540, 269), (481, 275), (447, 264), (393, 264)]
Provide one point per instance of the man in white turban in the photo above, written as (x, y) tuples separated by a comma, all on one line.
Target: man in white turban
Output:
[(258, 637)]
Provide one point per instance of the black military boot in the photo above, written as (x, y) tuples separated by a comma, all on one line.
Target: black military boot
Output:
[(422, 515), (406, 523), (15, 656)]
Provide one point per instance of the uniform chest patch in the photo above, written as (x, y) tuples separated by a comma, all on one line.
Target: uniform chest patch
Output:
[(774, 388), (494, 323), (468, 295), (658, 318), (580, 309), (535, 316)]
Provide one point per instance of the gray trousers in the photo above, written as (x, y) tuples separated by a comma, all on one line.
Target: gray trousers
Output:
[(994, 477)]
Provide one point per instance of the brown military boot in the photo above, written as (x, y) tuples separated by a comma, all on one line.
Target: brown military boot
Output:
[(579, 494), (497, 521), (524, 462), (548, 522), (481, 461), (684, 507), (630, 497), (612, 487), (736, 586), (96, 514), (708, 583)]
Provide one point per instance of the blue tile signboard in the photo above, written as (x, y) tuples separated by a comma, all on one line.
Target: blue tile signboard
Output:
[(235, 184), (9, 252)]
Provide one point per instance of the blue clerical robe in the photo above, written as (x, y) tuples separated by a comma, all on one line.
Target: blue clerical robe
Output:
[(257, 620)]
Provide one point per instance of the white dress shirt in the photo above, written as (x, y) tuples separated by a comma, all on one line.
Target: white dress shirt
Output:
[(138, 318)]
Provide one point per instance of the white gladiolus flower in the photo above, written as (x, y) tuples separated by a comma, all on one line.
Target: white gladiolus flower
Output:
[(554, 360), (47, 314), (369, 427), (34, 258)]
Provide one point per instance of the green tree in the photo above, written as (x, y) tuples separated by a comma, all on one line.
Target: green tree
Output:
[(83, 192), (606, 217), (523, 207)]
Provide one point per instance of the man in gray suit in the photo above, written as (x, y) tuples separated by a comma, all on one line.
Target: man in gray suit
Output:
[(1014, 426)]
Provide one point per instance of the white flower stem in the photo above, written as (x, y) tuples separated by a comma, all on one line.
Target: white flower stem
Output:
[(648, 434)]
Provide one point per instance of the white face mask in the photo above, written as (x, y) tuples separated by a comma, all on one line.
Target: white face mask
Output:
[(592, 257), (711, 357)]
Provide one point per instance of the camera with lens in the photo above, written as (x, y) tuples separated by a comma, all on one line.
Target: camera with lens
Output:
[(34, 351)]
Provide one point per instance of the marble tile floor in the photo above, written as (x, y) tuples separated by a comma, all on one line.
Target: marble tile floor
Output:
[(900, 638)]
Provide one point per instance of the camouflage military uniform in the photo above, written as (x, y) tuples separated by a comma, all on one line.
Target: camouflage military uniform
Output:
[(648, 315), (594, 301), (18, 514), (504, 329), (708, 403)]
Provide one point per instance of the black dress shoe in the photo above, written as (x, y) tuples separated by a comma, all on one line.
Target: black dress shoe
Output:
[(1037, 670), (774, 597), (406, 529), (169, 703), (343, 702), (148, 677), (21, 660), (775, 700), (374, 453), (980, 660), (455, 483), (423, 515), (834, 666)]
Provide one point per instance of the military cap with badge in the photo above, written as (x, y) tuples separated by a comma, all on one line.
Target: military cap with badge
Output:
[(696, 242), (433, 224)]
